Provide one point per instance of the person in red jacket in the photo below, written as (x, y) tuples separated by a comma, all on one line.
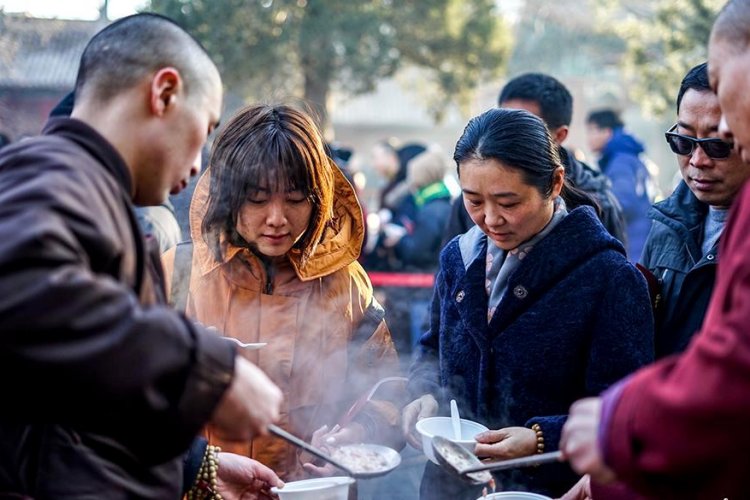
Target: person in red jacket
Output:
[(678, 428)]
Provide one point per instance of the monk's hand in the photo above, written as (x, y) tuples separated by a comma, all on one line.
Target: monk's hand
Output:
[(580, 440)]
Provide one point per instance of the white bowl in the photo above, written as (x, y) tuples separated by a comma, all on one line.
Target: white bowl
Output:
[(442, 426), (514, 495), (322, 488)]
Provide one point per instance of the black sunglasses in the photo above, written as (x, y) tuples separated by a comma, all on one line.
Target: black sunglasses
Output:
[(685, 145)]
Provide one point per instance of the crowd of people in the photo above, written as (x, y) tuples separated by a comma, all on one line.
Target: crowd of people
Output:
[(149, 338)]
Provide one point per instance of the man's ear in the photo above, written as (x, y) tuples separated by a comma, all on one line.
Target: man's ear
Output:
[(560, 134), (166, 85)]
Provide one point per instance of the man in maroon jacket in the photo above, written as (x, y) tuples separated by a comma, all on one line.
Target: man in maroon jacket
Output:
[(678, 428)]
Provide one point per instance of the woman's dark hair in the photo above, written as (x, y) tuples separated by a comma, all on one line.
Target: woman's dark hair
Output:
[(276, 148), (519, 140)]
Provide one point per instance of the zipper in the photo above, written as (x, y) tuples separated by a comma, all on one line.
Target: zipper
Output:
[(270, 273)]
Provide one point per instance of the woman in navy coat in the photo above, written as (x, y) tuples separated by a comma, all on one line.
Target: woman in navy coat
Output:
[(534, 307)]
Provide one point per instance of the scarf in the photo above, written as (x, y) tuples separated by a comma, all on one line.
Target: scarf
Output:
[(501, 264)]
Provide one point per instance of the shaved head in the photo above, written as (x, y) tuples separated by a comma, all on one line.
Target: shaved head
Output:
[(126, 51), (733, 24)]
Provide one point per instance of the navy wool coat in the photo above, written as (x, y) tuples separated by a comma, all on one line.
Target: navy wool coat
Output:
[(575, 318)]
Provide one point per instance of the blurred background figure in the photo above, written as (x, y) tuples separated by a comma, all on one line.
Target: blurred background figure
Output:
[(416, 244), (397, 280), (619, 159), (389, 161)]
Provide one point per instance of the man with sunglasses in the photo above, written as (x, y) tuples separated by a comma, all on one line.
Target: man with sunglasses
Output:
[(681, 250)]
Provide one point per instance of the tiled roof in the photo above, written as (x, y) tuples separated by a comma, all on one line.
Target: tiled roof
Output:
[(41, 53)]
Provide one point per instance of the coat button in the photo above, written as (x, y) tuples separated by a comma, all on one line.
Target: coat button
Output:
[(460, 296), (710, 256), (520, 292)]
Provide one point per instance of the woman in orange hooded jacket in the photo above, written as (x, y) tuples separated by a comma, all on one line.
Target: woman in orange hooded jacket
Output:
[(276, 232)]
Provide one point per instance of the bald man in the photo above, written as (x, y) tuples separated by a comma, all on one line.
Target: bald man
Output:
[(104, 386)]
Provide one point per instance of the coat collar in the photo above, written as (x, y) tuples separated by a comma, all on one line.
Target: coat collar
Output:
[(576, 239), (95, 144), (685, 215)]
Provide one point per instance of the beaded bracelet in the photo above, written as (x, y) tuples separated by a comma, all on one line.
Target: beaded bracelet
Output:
[(206, 482), (539, 438)]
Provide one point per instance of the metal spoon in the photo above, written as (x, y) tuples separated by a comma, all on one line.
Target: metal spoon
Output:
[(249, 346), (461, 462), (386, 456)]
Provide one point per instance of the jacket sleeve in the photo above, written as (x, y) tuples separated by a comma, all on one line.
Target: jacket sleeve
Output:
[(622, 341), (697, 404), (88, 353), (374, 357)]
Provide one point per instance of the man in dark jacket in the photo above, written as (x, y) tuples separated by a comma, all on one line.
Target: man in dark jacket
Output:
[(682, 247), (547, 98), (105, 386), (619, 159)]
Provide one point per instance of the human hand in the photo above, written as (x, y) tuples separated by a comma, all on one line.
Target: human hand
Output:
[(242, 478), (425, 406), (510, 442), (328, 440), (580, 440), (580, 491), (249, 405)]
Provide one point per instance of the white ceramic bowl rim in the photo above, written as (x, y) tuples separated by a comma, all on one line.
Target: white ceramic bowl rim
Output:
[(470, 423), (318, 483), (518, 495)]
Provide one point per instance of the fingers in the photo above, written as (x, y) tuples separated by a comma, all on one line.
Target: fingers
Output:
[(490, 437), (352, 433), (409, 417), (414, 440), (268, 476), (314, 470), (581, 490), (318, 436)]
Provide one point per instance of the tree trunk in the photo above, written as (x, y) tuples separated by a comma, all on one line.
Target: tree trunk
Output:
[(318, 60), (316, 96)]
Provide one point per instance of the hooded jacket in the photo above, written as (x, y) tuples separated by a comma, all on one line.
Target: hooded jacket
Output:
[(575, 318), (686, 276), (327, 343), (631, 184), (104, 386)]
